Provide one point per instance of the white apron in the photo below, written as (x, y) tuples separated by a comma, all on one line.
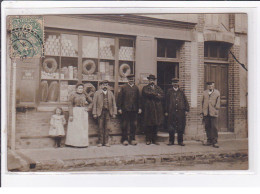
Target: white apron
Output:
[(77, 133)]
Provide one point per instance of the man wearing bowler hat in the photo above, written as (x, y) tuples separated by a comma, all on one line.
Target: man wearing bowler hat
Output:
[(210, 112), (176, 108), (128, 104), (104, 107), (153, 110)]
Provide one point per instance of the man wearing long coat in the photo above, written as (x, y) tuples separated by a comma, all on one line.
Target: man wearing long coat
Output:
[(176, 108), (153, 110)]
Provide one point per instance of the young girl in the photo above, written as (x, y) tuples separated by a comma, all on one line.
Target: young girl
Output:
[(57, 126)]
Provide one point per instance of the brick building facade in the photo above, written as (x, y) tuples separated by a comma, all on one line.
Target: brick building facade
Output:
[(201, 45)]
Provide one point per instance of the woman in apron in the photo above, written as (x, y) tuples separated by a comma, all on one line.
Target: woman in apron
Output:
[(77, 133)]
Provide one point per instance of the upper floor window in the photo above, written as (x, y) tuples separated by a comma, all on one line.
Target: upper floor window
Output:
[(167, 48), (216, 50)]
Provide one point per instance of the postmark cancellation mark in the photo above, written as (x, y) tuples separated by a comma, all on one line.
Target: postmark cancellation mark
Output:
[(27, 36)]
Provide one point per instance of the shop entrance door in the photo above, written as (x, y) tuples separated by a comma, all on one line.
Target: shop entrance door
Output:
[(165, 72), (219, 74)]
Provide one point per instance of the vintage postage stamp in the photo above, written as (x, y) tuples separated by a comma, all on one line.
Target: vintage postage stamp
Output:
[(27, 36)]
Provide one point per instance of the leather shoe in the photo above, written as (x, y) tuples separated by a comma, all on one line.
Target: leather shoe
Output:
[(207, 144), (148, 143), (215, 145), (155, 143), (133, 142), (170, 143), (181, 144), (99, 145), (107, 145), (125, 143)]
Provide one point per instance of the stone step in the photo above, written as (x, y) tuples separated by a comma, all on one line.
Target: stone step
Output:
[(48, 142)]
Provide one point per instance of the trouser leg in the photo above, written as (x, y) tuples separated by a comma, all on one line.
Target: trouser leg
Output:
[(208, 128), (148, 130), (133, 124), (154, 133), (181, 127), (101, 128), (106, 127), (171, 129), (214, 130), (125, 126)]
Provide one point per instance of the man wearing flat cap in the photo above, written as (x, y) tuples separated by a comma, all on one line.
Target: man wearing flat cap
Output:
[(104, 107), (153, 110), (128, 104), (176, 108), (210, 111)]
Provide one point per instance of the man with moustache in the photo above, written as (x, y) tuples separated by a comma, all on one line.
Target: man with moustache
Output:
[(153, 110), (104, 107), (129, 107), (176, 108)]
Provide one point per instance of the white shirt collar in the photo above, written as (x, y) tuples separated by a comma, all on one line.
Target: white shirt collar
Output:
[(210, 92), (176, 89), (105, 92), (131, 85)]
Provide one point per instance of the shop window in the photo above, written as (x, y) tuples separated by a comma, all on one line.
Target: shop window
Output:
[(167, 48), (67, 63), (216, 50)]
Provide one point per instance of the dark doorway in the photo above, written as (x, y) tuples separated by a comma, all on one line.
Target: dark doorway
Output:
[(165, 72)]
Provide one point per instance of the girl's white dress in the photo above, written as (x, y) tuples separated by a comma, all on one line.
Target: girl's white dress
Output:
[(57, 125)]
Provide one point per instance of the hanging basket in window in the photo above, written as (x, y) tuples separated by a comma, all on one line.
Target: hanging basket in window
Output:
[(50, 65), (124, 70), (88, 67)]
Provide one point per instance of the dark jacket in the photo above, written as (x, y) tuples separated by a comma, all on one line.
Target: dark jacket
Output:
[(176, 104), (128, 98), (152, 105)]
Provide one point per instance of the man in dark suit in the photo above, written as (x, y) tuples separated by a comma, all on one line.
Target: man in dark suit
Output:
[(210, 112), (176, 108), (129, 106)]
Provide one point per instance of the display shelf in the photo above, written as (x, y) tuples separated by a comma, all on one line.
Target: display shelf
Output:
[(69, 57), (69, 80), (51, 79)]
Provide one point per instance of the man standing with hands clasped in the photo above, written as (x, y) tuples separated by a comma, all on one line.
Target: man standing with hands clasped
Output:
[(129, 107), (176, 108), (153, 111), (104, 107), (210, 112)]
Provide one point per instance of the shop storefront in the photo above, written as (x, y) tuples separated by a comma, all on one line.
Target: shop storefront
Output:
[(92, 48)]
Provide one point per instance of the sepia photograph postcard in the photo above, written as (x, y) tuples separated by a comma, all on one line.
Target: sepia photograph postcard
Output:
[(101, 90)]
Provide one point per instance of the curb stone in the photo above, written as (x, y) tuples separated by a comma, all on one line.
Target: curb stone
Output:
[(177, 159)]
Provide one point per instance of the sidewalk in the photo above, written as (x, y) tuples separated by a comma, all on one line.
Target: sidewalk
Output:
[(55, 159)]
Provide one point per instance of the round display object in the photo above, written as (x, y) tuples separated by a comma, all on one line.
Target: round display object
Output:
[(50, 65), (89, 89), (88, 67), (124, 70)]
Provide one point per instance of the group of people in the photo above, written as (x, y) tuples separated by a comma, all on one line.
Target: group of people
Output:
[(129, 105)]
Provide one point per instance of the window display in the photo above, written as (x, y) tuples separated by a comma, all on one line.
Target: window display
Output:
[(70, 58)]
